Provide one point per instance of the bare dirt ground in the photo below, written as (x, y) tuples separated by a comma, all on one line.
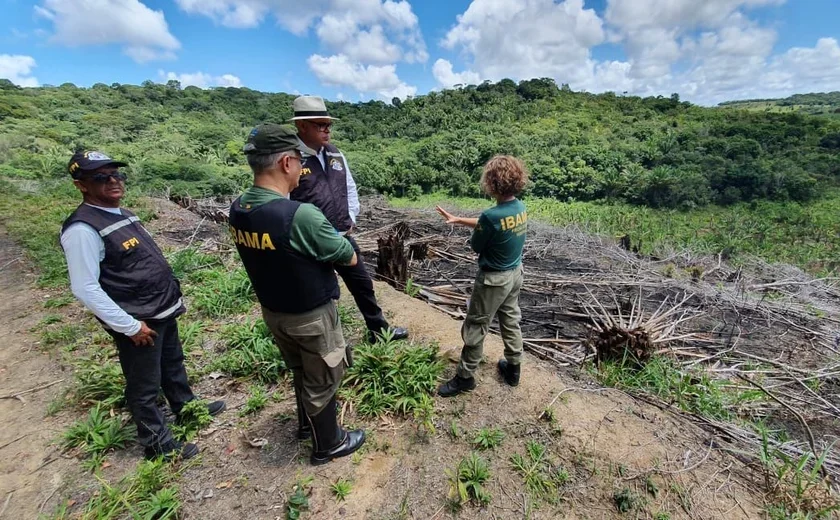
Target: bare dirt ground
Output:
[(31, 470), (608, 442)]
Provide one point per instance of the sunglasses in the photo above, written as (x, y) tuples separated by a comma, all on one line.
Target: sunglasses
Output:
[(102, 178), (323, 127)]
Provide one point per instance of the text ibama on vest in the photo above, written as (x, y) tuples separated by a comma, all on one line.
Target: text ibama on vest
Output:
[(251, 239)]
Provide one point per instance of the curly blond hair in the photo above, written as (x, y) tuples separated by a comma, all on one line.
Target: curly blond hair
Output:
[(504, 176)]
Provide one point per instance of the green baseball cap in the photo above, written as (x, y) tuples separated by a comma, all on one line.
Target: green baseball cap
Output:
[(273, 138)]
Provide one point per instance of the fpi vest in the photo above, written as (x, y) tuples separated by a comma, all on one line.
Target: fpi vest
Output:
[(327, 190), (134, 272), (284, 280)]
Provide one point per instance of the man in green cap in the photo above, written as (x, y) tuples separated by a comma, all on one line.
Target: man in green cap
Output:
[(290, 251)]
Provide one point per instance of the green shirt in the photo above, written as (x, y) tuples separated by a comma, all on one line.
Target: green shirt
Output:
[(311, 234), (500, 236)]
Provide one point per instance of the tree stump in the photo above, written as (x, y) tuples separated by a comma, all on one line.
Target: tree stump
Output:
[(392, 263)]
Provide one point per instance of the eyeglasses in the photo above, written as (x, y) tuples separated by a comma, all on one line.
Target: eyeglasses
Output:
[(103, 178), (323, 127)]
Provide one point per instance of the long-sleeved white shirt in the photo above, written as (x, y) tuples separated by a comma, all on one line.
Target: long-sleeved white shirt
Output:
[(84, 249), (353, 204)]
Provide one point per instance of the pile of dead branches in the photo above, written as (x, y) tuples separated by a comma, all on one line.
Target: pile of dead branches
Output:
[(586, 298)]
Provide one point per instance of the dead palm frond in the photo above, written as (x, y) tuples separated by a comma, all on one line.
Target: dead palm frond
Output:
[(632, 338)]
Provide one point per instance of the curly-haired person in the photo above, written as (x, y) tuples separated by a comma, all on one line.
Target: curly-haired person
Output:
[(498, 238)]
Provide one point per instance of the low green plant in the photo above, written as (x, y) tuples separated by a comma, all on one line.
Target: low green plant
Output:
[(795, 485), (217, 293), (542, 478), (99, 433), (651, 487), (299, 499), (59, 301), (149, 492), (257, 400), (694, 392), (190, 333), (454, 429), (187, 262), (348, 317), (468, 479), (251, 352), (411, 288), (193, 417), (626, 500), (98, 381), (340, 489), (488, 438), (387, 377), (49, 319), (64, 335), (33, 221)]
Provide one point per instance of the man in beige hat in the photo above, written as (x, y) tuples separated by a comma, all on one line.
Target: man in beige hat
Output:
[(327, 183)]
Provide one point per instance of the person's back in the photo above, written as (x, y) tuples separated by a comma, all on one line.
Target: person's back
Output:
[(498, 238), (289, 251)]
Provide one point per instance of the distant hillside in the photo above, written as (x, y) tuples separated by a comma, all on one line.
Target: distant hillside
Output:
[(819, 104), (655, 151)]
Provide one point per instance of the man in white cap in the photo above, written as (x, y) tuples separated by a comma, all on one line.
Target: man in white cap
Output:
[(327, 183)]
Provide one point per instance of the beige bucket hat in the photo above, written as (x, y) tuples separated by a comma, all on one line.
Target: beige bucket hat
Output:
[(310, 107)]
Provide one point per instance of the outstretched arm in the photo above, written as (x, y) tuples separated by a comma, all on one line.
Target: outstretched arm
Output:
[(452, 219)]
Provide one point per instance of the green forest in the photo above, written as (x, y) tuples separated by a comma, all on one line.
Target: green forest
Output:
[(668, 173), (657, 152), (824, 104)]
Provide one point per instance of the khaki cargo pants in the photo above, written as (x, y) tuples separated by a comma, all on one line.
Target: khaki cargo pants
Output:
[(313, 347), (494, 294)]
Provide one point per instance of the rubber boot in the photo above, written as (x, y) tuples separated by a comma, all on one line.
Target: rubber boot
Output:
[(304, 430), (509, 372), (456, 385), (329, 440)]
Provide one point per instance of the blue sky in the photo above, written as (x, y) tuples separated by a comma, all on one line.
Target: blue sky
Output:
[(707, 51)]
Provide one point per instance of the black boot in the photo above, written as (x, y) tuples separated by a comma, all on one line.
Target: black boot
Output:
[(171, 450), (329, 440), (456, 385), (395, 333), (304, 429), (509, 372)]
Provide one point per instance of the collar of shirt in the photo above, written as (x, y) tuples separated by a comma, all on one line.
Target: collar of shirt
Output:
[(115, 211)]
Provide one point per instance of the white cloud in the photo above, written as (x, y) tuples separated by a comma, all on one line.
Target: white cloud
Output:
[(293, 15), (707, 51), (366, 38), (201, 79), (366, 31), (18, 69), (341, 71), (446, 77), (143, 32), (502, 38)]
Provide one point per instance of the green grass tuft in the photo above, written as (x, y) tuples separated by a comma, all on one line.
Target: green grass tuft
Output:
[(251, 352), (391, 377), (467, 481), (99, 433)]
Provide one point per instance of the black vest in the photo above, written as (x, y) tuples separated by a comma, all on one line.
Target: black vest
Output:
[(134, 272), (327, 190), (284, 280)]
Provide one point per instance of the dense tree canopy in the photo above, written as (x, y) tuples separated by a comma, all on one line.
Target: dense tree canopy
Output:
[(654, 151)]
